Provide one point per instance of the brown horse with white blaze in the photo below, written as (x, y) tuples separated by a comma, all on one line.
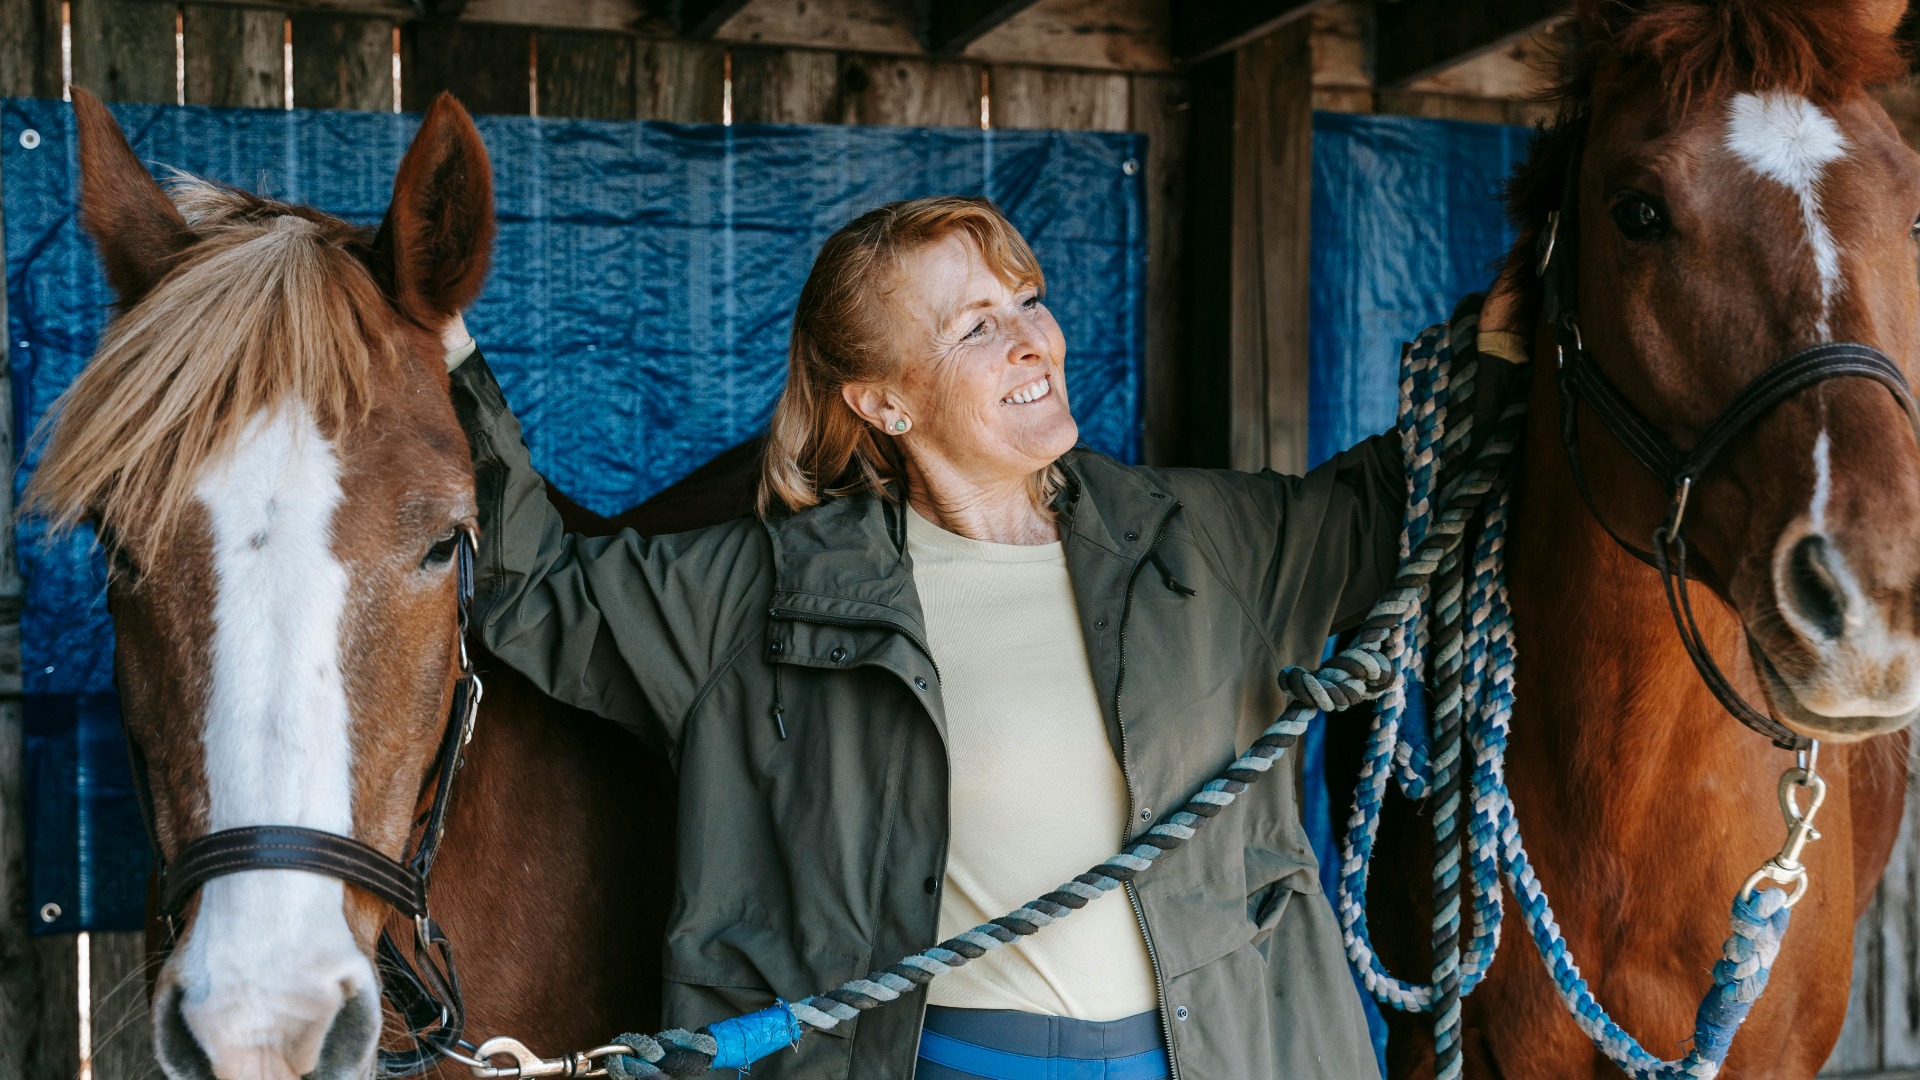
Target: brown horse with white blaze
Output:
[(266, 440), (1737, 195)]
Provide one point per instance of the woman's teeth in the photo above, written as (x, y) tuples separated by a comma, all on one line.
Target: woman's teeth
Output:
[(1029, 393)]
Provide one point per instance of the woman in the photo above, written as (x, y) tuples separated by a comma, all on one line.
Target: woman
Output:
[(953, 663)]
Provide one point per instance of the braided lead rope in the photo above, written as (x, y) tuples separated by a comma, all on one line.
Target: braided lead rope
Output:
[(1495, 852)]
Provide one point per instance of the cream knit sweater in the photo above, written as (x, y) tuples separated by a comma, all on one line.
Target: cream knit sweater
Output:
[(1023, 718)]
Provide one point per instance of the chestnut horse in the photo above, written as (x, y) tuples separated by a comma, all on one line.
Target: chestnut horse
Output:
[(266, 441), (1739, 196)]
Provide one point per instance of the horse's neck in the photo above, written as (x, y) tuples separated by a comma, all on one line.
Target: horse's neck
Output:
[(1605, 688)]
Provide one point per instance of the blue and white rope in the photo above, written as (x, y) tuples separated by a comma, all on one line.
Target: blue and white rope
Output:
[(1494, 848)]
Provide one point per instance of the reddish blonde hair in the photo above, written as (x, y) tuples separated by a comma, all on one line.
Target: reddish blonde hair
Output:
[(818, 446)]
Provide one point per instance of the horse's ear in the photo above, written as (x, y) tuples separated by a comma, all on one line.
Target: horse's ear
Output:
[(136, 227), (433, 247), (1882, 17)]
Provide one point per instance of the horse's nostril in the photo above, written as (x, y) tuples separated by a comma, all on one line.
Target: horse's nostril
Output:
[(1813, 589), (180, 1053)]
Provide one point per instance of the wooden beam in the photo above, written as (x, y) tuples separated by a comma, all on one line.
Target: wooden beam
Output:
[(1272, 184), (1415, 38), (700, 18), (947, 26), (1202, 30)]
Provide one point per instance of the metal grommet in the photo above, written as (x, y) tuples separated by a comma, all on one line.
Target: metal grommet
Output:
[(920, 681), (29, 139), (1130, 166), (49, 911), (1180, 1013), (838, 654)]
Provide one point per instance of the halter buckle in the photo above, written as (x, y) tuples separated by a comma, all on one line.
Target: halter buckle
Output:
[(1679, 512), (1546, 244), (1785, 868)]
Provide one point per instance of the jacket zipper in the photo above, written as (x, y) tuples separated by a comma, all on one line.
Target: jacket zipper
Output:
[(1126, 835)]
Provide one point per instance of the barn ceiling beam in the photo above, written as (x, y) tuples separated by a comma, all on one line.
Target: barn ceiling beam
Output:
[(947, 26), (700, 18), (1415, 38), (1206, 28)]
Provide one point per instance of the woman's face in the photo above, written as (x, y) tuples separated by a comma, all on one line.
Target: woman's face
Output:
[(979, 370)]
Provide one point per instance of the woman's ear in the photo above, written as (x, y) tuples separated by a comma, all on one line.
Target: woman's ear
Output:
[(867, 401)]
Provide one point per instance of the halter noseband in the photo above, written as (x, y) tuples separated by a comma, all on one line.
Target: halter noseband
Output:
[(425, 990), (1580, 380)]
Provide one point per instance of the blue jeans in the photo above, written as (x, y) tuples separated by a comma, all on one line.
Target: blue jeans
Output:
[(971, 1044)]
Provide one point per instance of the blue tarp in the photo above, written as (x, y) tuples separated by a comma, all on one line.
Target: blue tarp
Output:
[(1406, 221), (637, 315)]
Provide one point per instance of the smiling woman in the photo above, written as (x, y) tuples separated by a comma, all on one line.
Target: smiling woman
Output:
[(953, 662)]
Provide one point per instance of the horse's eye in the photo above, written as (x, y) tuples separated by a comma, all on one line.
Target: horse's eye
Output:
[(1638, 218), (1914, 231), (441, 553)]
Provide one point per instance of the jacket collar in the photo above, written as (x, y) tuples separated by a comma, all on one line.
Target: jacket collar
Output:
[(847, 558)]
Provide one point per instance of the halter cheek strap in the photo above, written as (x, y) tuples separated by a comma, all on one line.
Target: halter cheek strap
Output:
[(1580, 381)]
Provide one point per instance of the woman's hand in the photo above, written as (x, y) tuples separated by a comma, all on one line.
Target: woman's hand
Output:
[(455, 339), (454, 336)]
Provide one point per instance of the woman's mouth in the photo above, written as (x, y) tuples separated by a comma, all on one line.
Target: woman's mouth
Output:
[(1030, 393)]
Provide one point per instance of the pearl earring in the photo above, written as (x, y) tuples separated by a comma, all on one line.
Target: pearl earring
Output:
[(900, 425)]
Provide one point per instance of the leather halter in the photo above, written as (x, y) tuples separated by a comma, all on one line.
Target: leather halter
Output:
[(426, 989), (1580, 381)]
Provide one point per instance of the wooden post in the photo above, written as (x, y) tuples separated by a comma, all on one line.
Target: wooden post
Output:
[(678, 80), (1272, 181), (234, 56), (123, 49), (489, 68), (585, 74), (1161, 110), (1030, 97), (342, 63)]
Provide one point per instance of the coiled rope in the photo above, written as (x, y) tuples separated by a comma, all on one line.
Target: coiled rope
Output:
[(1466, 648)]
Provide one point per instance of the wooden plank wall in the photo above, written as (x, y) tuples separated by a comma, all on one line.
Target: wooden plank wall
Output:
[(125, 50)]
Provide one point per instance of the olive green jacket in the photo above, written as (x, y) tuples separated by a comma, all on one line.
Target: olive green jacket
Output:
[(813, 858)]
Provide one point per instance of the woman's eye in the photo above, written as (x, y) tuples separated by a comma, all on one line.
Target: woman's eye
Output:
[(974, 334), (1031, 302), (1638, 218), (441, 553)]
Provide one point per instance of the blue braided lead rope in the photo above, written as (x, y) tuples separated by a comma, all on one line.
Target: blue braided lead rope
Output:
[(1472, 633)]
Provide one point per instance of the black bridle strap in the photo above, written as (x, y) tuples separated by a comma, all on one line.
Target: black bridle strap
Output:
[(1783, 380), (288, 847)]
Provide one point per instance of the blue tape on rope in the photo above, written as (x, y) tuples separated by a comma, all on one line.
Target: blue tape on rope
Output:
[(746, 1039)]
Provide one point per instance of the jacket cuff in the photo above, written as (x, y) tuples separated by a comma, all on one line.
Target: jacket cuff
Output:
[(477, 398)]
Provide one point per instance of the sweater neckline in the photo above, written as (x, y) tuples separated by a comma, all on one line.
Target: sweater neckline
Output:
[(924, 534)]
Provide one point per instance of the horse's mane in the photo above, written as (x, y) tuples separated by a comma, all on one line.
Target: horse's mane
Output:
[(269, 305), (1703, 51)]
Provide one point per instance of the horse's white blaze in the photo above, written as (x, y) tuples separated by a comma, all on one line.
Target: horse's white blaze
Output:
[(1790, 140), (1822, 481), (270, 960)]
